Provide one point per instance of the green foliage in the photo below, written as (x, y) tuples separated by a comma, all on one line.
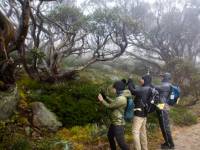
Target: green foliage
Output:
[(78, 136), (182, 72), (88, 133), (180, 69), (69, 16), (100, 20), (35, 56), (182, 116), (10, 139), (21, 144), (187, 101), (103, 22), (44, 144), (74, 102), (60, 145), (37, 53), (14, 137), (195, 86), (152, 123), (26, 83)]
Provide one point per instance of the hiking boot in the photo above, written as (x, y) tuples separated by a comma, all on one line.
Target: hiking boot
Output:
[(172, 147), (164, 145), (167, 146)]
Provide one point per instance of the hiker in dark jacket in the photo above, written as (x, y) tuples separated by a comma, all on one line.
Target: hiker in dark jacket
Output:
[(163, 114), (117, 106), (142, 95)]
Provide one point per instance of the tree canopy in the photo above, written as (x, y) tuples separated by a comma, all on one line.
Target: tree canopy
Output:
[(45, 33)]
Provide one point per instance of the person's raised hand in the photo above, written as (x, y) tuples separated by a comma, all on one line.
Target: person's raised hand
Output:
[(130, 83), (100, 98)]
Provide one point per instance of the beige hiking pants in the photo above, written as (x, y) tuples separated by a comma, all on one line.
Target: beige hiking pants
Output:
[(139, 133)]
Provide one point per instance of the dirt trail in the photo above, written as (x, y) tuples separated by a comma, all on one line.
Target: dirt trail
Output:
[(188, 138)]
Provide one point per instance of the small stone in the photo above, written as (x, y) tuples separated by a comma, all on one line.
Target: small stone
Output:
[(28, 131)]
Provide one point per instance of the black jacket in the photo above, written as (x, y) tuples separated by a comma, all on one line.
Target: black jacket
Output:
[(142, 95), (164, 90)]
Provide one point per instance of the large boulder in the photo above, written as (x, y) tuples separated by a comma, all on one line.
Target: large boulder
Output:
[(44, 118), (8, 102)]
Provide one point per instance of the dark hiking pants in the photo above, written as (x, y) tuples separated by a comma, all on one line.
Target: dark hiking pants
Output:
[(163, 116), (117, 132)]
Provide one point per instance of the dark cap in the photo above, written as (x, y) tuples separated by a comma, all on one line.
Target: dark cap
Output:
[(166, 76), (119, 85)]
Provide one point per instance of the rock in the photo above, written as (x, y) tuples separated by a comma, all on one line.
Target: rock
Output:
[(27, 131), (8, 102), (35, 135), (43, 118), (62, 145), (39, 91)]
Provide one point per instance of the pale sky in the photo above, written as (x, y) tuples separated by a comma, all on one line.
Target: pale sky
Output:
[(89, 10)]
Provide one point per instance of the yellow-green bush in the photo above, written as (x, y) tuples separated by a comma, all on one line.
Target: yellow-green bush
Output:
[(90, 133)]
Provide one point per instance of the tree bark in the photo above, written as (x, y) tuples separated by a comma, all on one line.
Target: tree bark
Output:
[(10, 40)]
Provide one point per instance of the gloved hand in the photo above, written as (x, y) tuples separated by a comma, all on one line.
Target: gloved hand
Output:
[(130, 83), (103, 94), (161, 106)]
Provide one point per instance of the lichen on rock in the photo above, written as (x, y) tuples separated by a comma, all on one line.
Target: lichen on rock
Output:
[(44, 118), (8, 102)]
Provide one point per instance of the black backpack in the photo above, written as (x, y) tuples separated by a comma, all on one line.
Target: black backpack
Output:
[(150, 104), (153, 100)]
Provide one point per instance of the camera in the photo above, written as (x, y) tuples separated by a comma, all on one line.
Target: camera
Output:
[(102, 92)]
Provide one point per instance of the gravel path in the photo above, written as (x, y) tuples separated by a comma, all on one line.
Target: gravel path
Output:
[(188, 138)]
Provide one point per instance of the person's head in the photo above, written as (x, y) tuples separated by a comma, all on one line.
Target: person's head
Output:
[(124, 80), (118, 87), (145, 80), (166, 77)]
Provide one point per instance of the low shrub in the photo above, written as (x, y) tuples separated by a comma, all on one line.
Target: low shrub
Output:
[(187, 101), (21, 144), (152, 123), (80, 137), (182, 116), (74, 102)]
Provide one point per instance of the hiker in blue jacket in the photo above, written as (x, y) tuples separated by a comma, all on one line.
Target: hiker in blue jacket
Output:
[(163, 114)]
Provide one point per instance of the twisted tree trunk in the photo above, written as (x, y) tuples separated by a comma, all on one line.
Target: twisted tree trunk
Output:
[(12, 40), (7, 35)]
